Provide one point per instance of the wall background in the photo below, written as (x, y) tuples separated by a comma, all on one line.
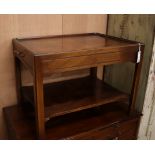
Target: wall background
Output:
[(12, 26)]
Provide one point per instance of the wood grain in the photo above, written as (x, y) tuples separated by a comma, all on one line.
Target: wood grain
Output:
[(51, 54), (74, 51)]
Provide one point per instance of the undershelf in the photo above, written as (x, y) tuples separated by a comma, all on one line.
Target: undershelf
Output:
[(75, 95)]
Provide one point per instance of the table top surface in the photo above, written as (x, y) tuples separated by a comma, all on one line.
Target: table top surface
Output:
[(71, 43)]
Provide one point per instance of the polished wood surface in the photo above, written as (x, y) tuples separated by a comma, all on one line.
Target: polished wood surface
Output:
[(51, 54), (39, 98), (72, 52), (107, 122), (55, 45), (75, 95), (136, 80)]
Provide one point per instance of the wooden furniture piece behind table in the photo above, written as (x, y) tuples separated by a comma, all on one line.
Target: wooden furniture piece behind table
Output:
[(82, 108)]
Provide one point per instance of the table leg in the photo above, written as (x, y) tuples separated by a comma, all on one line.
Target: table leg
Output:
[(135, 84), (39, 99), (18, 80)]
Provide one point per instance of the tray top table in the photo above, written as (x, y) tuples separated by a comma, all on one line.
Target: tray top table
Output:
[(47, 55)]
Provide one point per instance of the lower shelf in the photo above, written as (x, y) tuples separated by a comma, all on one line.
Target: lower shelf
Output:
[(110, 121), (75, 95)]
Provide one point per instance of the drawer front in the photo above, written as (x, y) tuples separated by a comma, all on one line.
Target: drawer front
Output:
[(128, 129), (129, 135), (100, 134), (122, 131), (72, 63)]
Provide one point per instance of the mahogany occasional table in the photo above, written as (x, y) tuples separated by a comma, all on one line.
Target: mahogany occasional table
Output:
[(82, 108)]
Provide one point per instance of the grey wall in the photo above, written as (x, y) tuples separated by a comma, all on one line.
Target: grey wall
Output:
[(133, 27)]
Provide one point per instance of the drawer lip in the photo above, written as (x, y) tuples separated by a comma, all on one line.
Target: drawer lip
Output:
[(115, 126), (84, 52), (96, 130), (62, 64), (131, 124)]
